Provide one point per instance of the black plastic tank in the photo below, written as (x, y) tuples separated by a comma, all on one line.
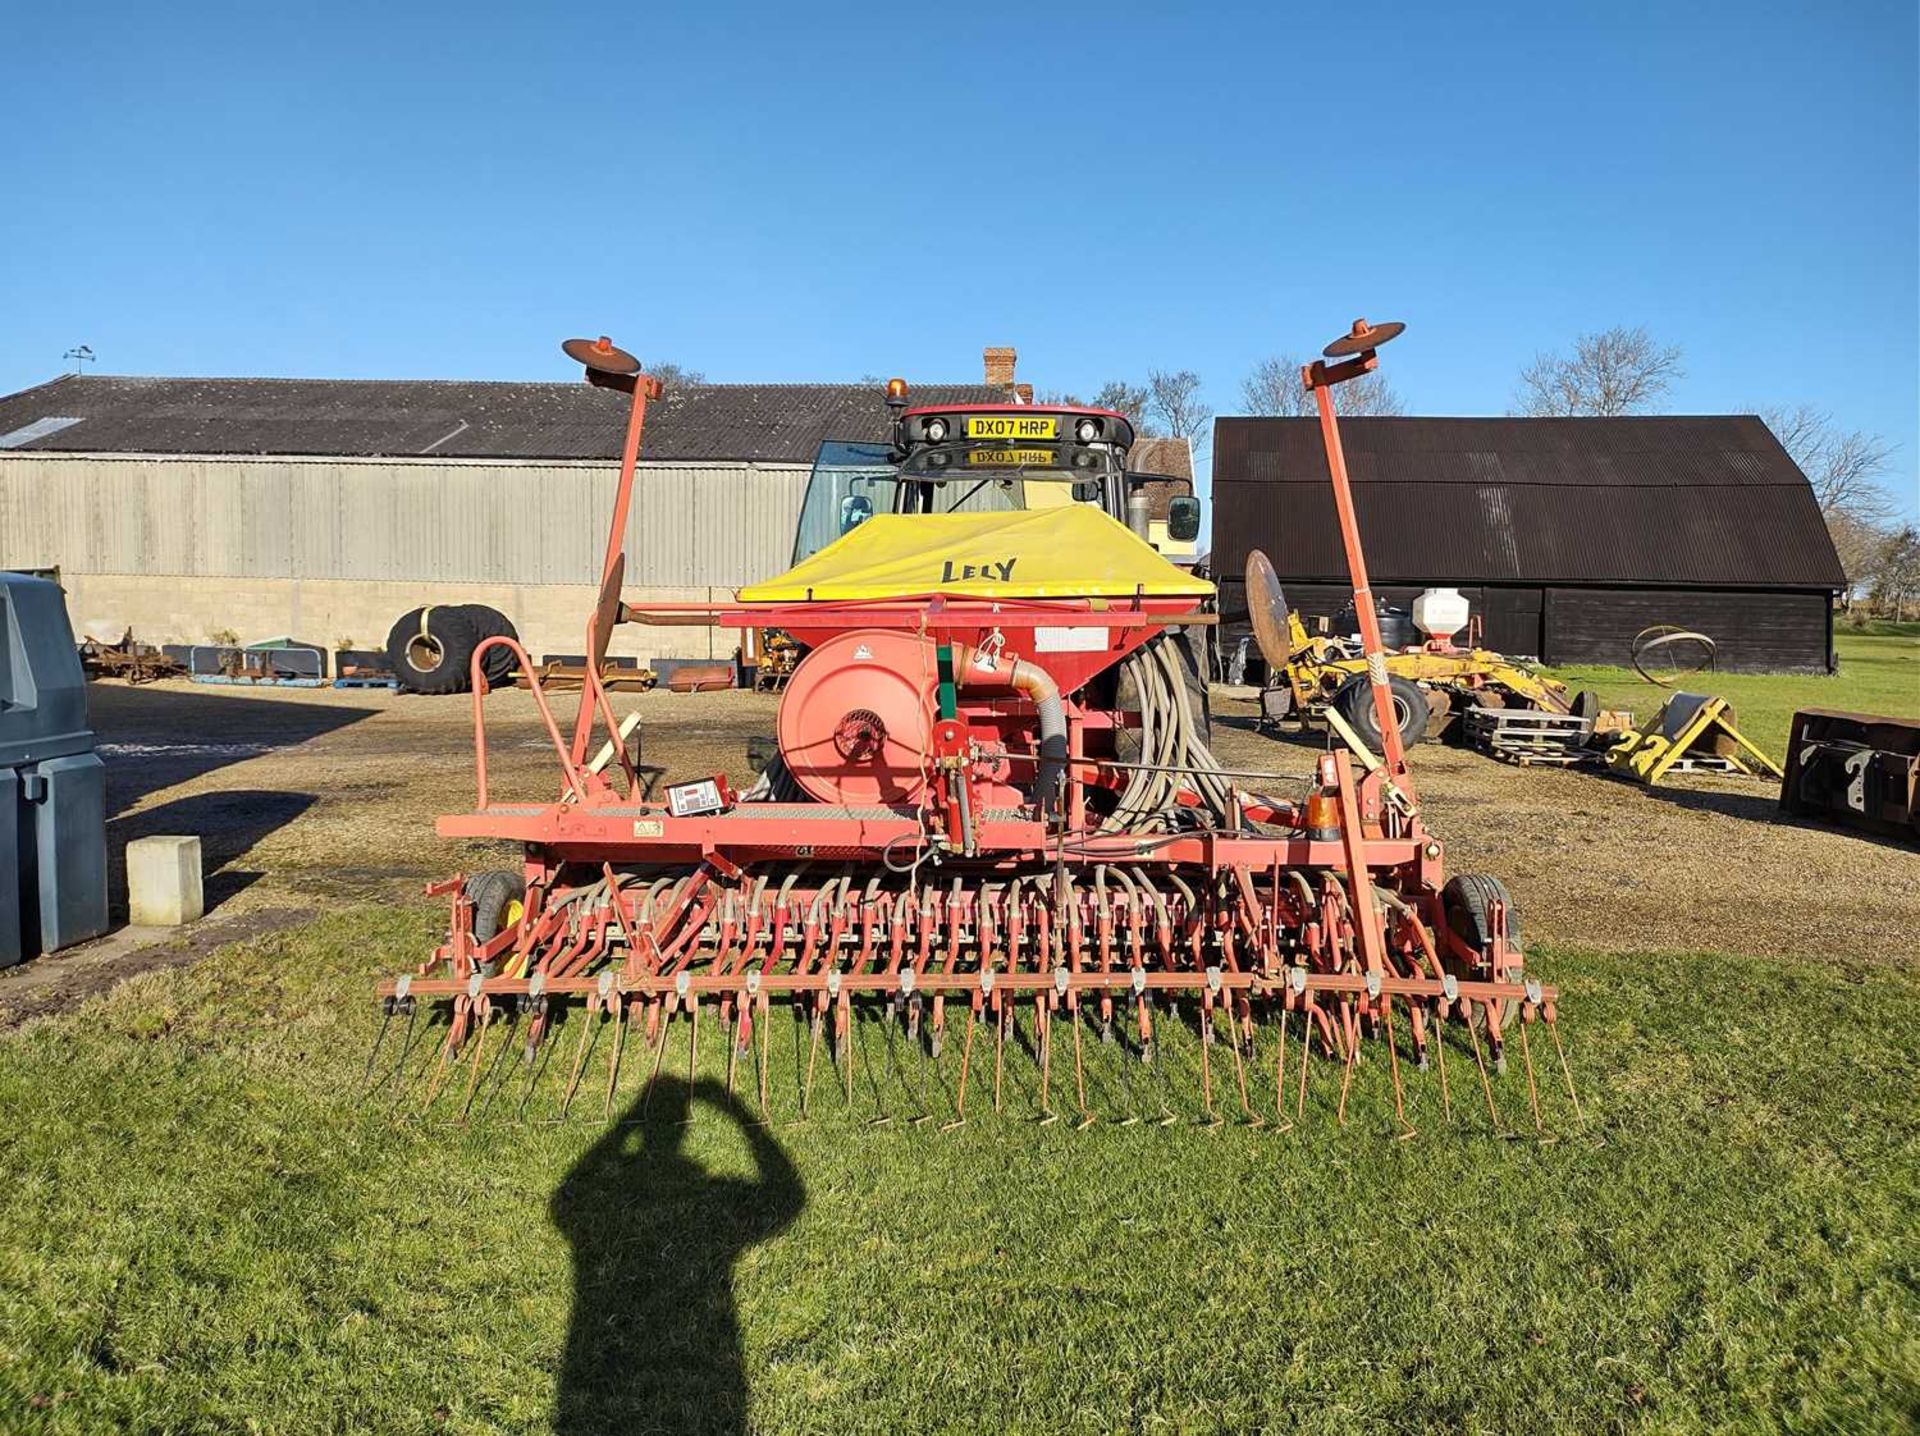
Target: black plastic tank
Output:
[(53, 786)]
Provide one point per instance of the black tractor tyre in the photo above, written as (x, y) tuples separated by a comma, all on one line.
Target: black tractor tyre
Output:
[(1586, 704), (431, 649), (1192, 654), (1126, 698), (1354, 702), (1467, 900), (497, 897), (498, 663)]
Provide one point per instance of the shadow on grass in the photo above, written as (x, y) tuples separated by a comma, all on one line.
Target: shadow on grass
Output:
[(654, 1343)]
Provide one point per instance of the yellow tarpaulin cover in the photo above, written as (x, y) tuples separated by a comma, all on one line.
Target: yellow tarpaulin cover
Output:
[(1073, 552)]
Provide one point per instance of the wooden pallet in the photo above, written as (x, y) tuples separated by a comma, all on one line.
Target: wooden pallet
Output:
[(1531, 737)]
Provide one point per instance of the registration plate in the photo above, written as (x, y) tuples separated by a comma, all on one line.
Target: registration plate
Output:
[(1013, 458), (1013, 426)]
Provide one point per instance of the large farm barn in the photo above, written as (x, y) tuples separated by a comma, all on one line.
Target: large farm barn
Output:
[(1568, 536)]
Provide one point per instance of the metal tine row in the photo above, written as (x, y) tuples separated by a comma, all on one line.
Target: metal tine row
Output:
[(830, 1025)]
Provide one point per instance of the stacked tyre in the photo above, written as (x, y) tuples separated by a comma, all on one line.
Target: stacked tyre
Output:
[(431, 649)]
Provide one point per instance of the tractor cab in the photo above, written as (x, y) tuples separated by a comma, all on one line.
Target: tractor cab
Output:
[(986, 459)]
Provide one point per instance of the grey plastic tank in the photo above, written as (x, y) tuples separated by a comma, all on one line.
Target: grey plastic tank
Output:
[(53, 786)]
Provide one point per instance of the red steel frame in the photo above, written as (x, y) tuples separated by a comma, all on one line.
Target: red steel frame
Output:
[(1289, 918)]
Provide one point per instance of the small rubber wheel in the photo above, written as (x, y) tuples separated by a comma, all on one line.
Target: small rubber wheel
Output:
[(499, 900), (1354, 702), (1586, 704), (1468, 899)]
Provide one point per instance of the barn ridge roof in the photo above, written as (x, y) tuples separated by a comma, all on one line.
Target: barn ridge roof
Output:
[(1645, 499), (450, 418)]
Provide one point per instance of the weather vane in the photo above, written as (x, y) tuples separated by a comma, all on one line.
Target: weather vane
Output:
[(81, 355)]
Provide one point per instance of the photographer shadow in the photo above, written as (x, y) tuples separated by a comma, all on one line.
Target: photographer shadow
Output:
[(654, 1340)]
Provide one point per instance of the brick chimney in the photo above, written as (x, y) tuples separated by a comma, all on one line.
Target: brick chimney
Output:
[(999, 363)]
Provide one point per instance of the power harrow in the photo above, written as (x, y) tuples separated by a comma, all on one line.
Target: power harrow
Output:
[(992, 828)]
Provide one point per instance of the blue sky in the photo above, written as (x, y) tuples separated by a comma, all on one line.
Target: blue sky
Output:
[(810, 192)]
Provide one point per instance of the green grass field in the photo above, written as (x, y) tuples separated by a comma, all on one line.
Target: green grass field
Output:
[(200, 1229), (1879, 673)]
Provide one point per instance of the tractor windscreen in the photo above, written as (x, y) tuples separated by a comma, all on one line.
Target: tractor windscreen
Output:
[(852, 482)]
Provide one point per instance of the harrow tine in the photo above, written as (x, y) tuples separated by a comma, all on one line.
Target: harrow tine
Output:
[(406, 1050), (1440, 1056), (379, 1037), (1079, 1076), (733, 1040), (766, 1054), (495, 1079), (1306, 1051), (1000, 1050), (1282, 1123), (1346, 1079), (664, 1007), (920, 1062), (959, 1118), (885, 1118), (1533, 1092), (473, 1068), (1566, 1070), (442, 1063), (818, 1022), (1254, 1119), (1486, 1086), (613, 1062), (588, 1028), (1408, 1130), (535, 1071), (1043, 1020), (693, 1050), (1207, 1015)]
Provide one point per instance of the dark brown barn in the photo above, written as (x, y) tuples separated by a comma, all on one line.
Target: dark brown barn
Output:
[(1568, 536)]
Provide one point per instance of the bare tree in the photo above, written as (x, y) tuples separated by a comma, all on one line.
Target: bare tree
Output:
[(1844, 467), (1125, 398), (1274, 389), (672, 375), (1616, 371), (1174, 402), (1899, 575)]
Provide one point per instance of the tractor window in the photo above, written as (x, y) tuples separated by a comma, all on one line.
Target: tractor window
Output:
[(849, 485)]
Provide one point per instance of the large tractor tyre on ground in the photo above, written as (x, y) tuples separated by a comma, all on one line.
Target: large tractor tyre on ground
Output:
[(1468, 899), (498, 663), (431, 649), (1354, 702)]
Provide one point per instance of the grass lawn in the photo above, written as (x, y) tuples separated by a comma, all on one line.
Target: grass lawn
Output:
[(200, 1229), (1879, 673)]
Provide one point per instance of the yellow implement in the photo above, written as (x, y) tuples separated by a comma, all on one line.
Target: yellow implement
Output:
[(1692, 733)]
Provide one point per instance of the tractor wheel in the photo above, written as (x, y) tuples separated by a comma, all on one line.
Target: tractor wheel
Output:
[(1586, 704), (431, 649), (498, 898), (1468, 899), (492, 623), (1354, 702)]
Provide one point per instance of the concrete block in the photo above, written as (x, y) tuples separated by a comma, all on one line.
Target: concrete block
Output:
[(163, 882)]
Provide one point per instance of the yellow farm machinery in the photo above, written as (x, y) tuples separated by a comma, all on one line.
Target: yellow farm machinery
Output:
[(990, 855), (1432, 683)]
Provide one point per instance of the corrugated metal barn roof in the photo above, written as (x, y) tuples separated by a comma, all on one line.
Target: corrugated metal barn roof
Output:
[(1710, 500), (446, 418)]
